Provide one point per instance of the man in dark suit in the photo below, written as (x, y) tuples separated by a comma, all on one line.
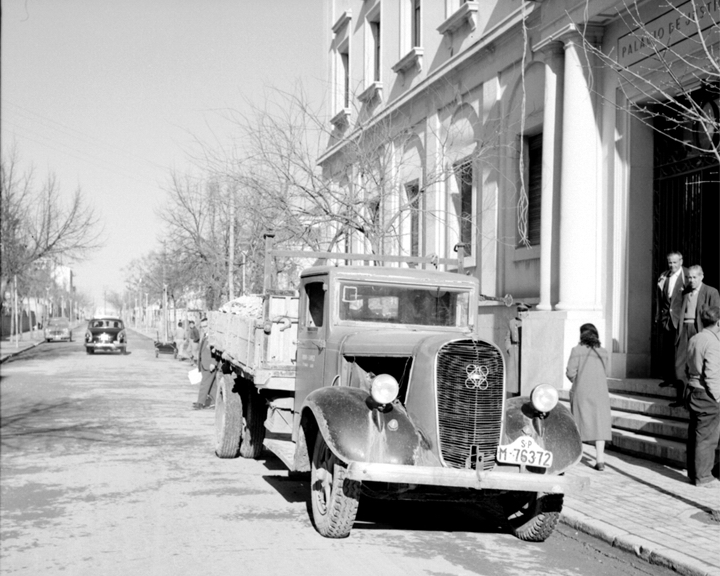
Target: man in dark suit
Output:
[(208, 369), (695, 296), (668, 316)]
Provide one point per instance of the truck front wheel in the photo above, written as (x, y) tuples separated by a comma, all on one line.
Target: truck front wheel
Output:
[(333, 499), (228, 419), (533, 517), (253, 430)]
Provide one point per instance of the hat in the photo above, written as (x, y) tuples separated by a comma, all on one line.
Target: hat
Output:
[(522, 307)]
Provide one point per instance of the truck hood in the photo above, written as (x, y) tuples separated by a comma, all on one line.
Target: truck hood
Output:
[(393, 342)]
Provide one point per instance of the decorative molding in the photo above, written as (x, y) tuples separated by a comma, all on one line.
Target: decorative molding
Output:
[(466, 13), (344, 19), (341, 119), (410, 60), (371, 92)]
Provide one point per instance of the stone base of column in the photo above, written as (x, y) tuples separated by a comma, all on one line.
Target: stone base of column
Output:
[(547, 338)]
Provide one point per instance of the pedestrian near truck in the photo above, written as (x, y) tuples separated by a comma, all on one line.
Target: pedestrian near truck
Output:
[(703, 401), (668, 318), (589, 397), (179, 339), (208, 370), (193, 338)]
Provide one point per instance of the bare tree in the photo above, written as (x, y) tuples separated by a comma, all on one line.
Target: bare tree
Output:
[(359, 194), (37, 226), (664, 64)]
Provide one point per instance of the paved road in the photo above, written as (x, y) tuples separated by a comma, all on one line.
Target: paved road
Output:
[(106, 470)]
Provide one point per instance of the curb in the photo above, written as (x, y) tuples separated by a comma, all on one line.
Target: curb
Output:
[(18, 352), (651, 552)]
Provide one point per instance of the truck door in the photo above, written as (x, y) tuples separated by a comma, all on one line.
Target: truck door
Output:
[(311, 346)]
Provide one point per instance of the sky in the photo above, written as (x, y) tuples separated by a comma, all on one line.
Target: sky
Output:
[(111, 95)]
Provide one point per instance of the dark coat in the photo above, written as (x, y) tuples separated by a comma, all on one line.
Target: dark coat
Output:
[(707, 296), (669, 310)]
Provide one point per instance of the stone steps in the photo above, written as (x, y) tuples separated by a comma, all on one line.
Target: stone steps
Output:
[(643, 422)]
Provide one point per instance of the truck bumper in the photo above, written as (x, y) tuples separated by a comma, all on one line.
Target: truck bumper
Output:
[(453, 477)]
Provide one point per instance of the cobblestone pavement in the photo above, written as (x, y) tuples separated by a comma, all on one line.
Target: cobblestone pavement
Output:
[(645, 507)]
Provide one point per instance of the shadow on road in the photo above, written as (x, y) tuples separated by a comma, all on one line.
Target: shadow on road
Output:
[(18, 425)]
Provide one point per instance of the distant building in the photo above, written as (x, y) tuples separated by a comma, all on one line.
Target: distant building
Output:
[(482, 100)]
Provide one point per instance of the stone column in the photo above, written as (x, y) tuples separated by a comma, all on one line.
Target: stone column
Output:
[(553, 54), (579, 180)]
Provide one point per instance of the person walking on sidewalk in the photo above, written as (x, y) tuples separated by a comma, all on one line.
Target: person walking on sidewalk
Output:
[(589, 397), (703, 402), (193, 336), (208, 369)]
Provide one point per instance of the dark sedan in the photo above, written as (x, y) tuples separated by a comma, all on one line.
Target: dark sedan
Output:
[(106, 334)]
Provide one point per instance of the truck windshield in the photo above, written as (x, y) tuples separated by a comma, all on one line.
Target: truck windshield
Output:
[(401, 304)]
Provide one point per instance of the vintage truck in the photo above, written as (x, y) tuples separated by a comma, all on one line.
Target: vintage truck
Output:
[(374, 380)]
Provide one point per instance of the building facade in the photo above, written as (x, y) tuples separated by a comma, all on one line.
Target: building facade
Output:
[(565, 145)]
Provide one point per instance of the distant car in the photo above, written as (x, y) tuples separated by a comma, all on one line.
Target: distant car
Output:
[(106, 333), (58, 329)]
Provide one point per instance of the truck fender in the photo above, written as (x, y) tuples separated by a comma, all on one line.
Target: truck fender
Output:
[(355, 429), (556, 432)]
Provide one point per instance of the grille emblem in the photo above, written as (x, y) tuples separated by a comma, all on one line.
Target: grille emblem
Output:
[(477, 377)]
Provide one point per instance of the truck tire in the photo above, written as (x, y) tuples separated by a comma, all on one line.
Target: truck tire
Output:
[(533, 517), (89, 350), (253, 430), (333, 499), (228, 419)]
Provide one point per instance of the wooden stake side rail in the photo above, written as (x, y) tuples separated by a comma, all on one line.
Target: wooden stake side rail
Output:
[(364, 257)]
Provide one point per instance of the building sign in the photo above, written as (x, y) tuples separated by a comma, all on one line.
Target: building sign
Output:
[(674, 29)]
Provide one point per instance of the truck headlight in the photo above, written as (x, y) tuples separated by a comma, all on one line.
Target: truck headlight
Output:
[(544, 397), (384, 389)]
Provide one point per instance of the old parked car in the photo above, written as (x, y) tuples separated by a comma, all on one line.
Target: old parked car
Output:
[(58, 329), (106, 334)]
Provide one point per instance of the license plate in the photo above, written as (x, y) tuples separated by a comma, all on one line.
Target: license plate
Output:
[(524, 451)]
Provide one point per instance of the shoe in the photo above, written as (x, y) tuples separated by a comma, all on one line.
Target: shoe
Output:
[(197, 406), (210, 406), (666, 384), (600, 466), (677, 404), (713, 484)]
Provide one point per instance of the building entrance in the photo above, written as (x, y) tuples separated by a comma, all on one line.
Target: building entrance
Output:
[(686, 197)]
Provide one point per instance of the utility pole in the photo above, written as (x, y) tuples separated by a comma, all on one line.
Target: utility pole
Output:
[(231, 247)]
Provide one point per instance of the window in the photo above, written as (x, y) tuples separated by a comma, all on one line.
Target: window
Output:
[(533, 185), (415, 24), (412, 191), (403, 304), (375, 48), (463, 202), (315, 292), (344, 76)]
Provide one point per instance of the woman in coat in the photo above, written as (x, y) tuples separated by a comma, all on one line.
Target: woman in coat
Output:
[(589, 398)]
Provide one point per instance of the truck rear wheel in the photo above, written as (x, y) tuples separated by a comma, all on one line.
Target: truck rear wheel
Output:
[(253, 430), (228, 419), (333, 499), (533, 517)]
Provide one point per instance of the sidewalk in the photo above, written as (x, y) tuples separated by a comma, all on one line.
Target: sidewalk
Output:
[(8, 349), (649, 509), (637, 505)]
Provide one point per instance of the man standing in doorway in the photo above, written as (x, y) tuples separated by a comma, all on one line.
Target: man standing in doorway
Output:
[(696, 296), (703, 371), (668, 316)]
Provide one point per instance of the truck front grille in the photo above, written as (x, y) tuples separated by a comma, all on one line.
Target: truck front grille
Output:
[(470, 397)]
